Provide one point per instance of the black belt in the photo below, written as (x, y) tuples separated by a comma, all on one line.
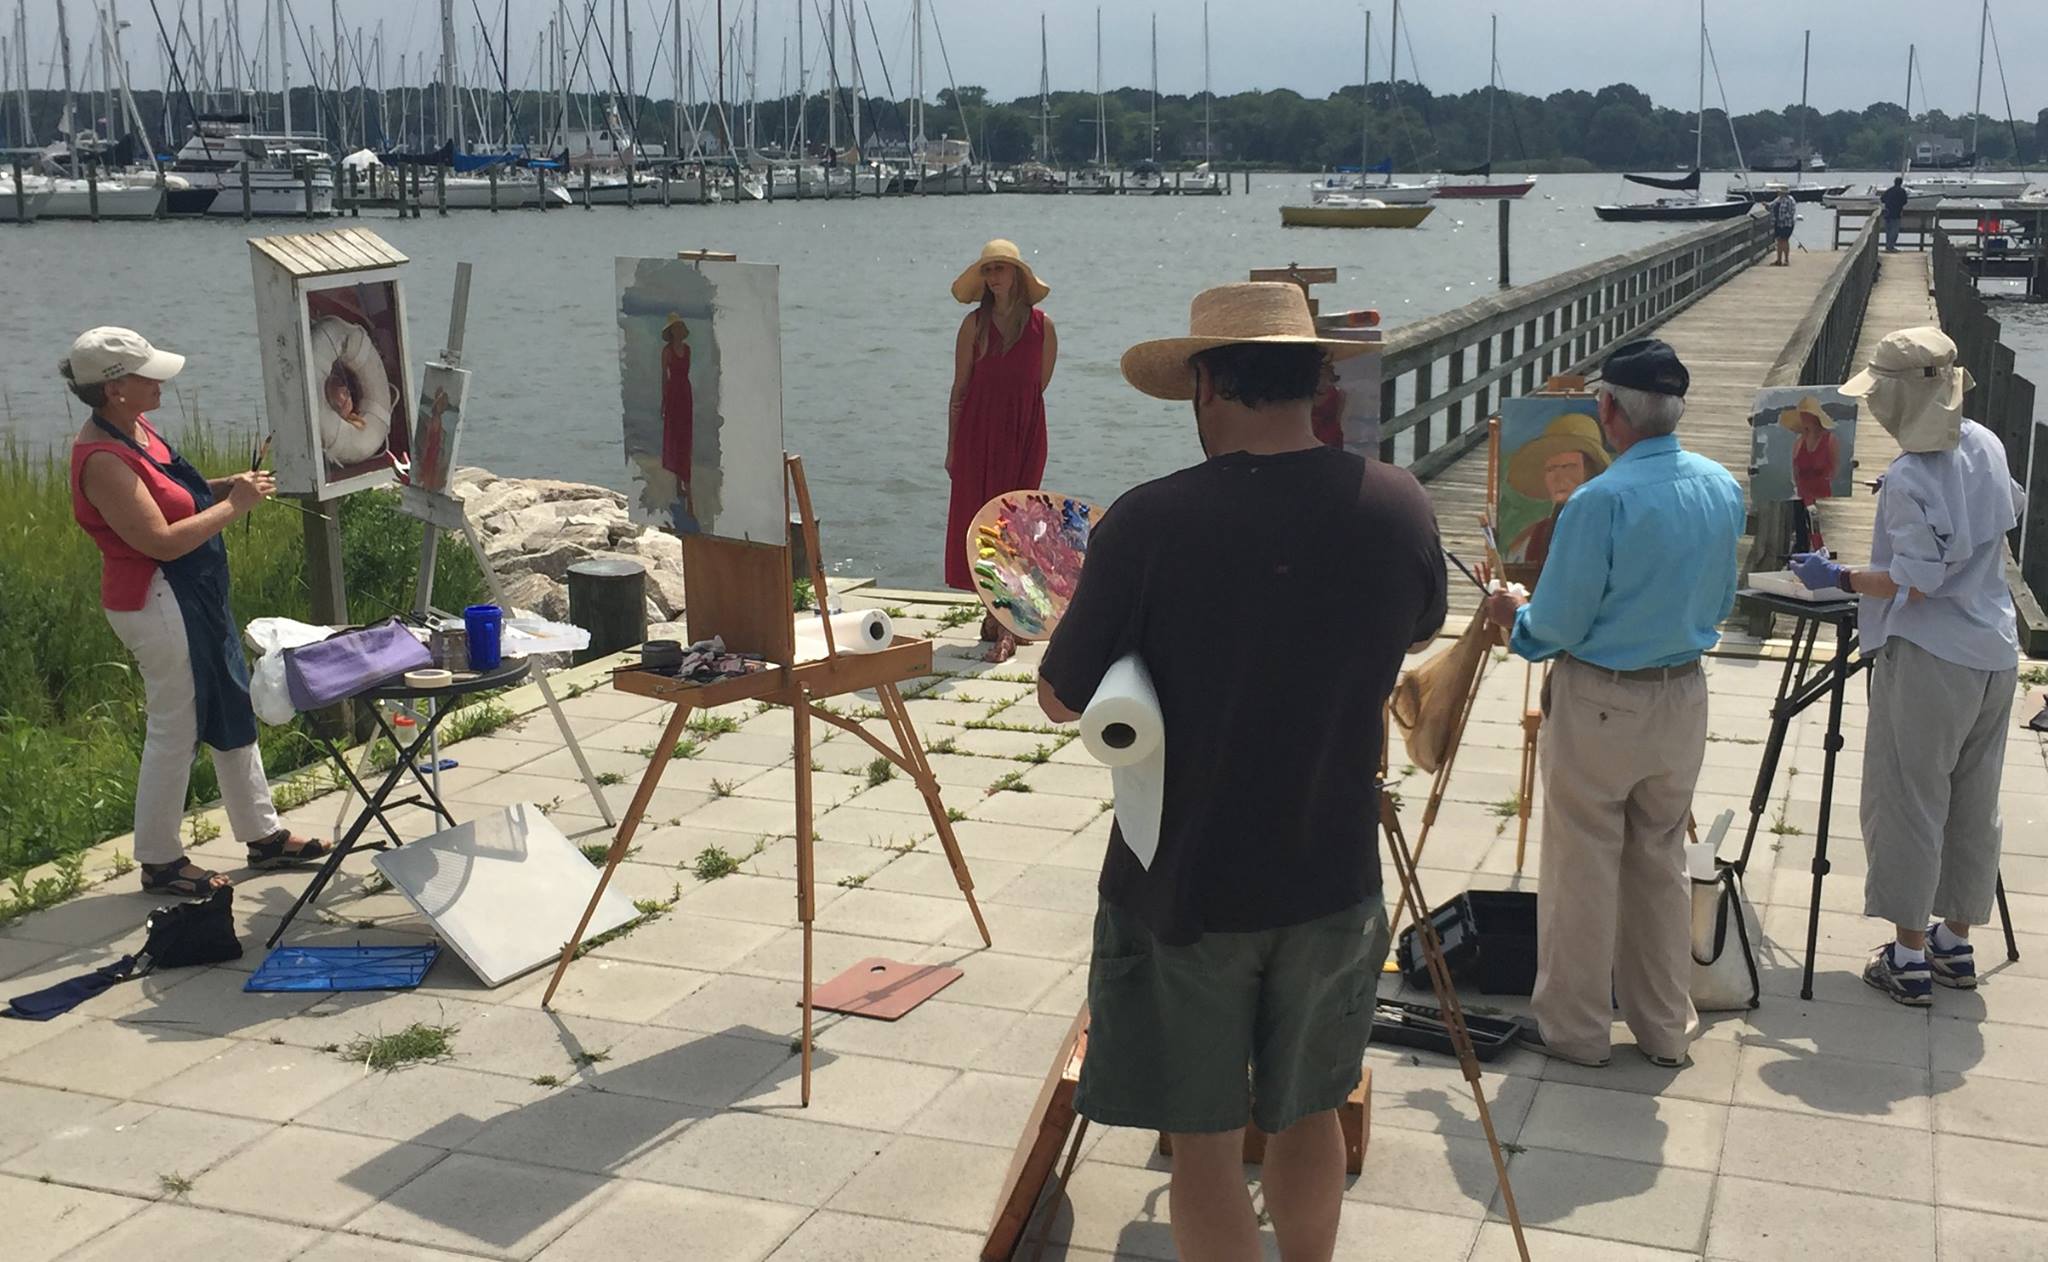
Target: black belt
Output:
[(1651, 674)]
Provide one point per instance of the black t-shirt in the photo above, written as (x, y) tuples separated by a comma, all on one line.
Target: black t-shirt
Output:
[(1271, 599), (1894, 199)]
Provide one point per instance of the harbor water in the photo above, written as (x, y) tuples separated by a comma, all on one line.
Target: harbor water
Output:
[(867, 323)]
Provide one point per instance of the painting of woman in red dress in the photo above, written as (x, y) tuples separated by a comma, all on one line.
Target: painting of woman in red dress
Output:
[(1815, 456), (995, 431), (678, 406)]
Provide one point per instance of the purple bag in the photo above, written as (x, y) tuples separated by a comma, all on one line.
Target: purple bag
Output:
[(318, 675)]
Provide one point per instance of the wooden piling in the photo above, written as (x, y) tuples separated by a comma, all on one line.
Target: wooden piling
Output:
[(92, 191), (20, 192), (1504, 203)]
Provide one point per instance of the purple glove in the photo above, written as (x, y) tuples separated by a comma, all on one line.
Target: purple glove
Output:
[(1818, 573)]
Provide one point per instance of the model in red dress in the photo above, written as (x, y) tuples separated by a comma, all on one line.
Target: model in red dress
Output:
[(678, 406), (1814, 456), (995, 436)]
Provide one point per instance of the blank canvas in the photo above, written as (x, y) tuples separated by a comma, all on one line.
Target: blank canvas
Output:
[(504, 891)]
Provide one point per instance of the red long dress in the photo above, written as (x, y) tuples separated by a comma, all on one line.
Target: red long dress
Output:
[(1000, 444), (678, 406)]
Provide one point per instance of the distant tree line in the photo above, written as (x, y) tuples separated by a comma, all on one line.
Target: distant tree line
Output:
[(1614, 128)]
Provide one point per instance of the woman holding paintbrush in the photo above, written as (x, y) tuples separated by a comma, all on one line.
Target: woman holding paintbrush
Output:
[(164, 585)]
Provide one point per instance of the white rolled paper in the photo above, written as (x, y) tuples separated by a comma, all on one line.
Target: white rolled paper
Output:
[(1124, 730), (855, 631)]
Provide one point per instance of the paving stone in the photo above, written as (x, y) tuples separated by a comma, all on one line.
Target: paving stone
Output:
[(482, 1205), (29, 1115), (1990, 1237), (1051, 887), (1010, 843), (597, 1132), (1027, 931), (18, 955), (617, 990), (112, 911), (1497, 1244), (438, 1105), (1625, 1124), (1436, 1173), (1370, 1231), (705, 1071), (311, 1176), (641, 1220), (761, 899), (262, 1080), (180, 1231), (1419, 1092), (1832, 1153), (1998, 1051), (341, 1247), (1036, 810), (45, 1219), (762, 1006), (1993, 1108), (1117, 1209), (1770, 1221), (832, 1237), (338, 1020), (1858, 1090), (129, 1147), (1991, 1175), (930, 1181), (886, 914), (800, 1161), (104, 1055), (1029, 1050), (979, 1108), (782, 957), (936, 1033), (926, 870), (996, 979), (1890, 1034), (1662, 1207), (863, 1092)]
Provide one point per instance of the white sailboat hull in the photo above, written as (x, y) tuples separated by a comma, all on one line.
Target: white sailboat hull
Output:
[(470, 193), (72, 199), (1391, 194)]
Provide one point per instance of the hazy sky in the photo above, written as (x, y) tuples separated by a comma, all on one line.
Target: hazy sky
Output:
[(1312, 46)]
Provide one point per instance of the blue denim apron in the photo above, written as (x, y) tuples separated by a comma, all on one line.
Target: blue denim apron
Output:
[(199, 580)]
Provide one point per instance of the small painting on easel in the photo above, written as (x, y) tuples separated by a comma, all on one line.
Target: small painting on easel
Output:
[(440, 420), (700, 367), (1550, 446), (1025, 549)]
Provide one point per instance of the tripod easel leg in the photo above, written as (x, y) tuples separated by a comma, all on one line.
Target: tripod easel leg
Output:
[(1831, 746), (1453, 1014), (806, 896), (650, 781), (1440, 786), (1532, 728), (928, 785)]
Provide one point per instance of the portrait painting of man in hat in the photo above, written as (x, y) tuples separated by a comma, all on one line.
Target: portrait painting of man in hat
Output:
[(1549, 449)]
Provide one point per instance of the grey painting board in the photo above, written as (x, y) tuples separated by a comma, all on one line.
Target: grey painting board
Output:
[(505, 891), (700, 377)]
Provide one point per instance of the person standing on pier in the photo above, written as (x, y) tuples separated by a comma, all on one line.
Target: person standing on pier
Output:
[(1894, 202), (1784, 217), (1937, 621), (1003, 359), (1233, 977), (1640, 574)]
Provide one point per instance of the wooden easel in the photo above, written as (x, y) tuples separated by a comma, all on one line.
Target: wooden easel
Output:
[(741, 592)]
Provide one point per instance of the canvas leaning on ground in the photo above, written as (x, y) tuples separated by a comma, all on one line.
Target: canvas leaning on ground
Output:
[(700, 372)]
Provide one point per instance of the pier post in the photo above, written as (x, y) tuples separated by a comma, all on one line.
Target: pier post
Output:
[(540, 187), (246, 211), (768, 184), (586, 187), (1504, 203), (306, 187), (664, 189), (492, 172), (20, 192), (441, 191), (92, 191)]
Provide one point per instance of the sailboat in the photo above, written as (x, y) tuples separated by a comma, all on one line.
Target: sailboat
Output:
[(1096, 177), (1203, 180), (1449, 183), (1801, 190), (1680, 209), (1868, 197), (1972, 186), (1361, 186), (1037, 176), (1359, 206)]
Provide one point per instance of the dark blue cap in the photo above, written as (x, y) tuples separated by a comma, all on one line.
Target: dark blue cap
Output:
[(1646, 364)]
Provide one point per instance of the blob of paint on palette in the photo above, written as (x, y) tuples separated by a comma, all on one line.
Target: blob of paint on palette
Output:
[(1025, 549)]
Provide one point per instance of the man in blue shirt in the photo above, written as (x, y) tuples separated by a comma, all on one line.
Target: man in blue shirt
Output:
[(1641, 573)]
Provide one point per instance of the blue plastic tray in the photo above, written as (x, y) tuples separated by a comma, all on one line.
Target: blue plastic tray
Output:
[(344, 968)]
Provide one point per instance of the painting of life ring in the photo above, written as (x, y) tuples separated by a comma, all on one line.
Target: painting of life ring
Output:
[(361, 416)]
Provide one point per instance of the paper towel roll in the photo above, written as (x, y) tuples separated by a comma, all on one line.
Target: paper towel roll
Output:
[(855, 631), (1123, 729)]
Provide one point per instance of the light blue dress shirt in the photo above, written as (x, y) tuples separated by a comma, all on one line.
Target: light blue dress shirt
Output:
[(1942, 517), (1641, 570)]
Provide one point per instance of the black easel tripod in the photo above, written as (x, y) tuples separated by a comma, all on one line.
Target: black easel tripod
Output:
[(1802, 685)]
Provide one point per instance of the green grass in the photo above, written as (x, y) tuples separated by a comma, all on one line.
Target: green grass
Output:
[(650, 909), (954, 815), (585, 1060), (2034, 676), (959, 616), (545, 1080), (1039, 755), (23, 896), (722, 788), (201, 829), (944, 745), (173, 1184), (1010, 782), (71, 721), (710, 725), (800, 596), (880, 772), (610, 778), (596, 851), (713, 862), (415, 1043)]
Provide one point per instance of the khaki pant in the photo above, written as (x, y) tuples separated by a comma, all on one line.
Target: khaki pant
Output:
[(1614, 907)]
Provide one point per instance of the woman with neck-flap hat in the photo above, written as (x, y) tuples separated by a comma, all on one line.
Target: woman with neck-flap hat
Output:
[(995, 421), (1936, 620)]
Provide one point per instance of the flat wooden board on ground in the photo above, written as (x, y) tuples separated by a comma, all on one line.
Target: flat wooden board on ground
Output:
[(883, 989)]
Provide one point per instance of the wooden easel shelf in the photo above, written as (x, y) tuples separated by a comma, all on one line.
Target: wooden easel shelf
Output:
[(906, 658)]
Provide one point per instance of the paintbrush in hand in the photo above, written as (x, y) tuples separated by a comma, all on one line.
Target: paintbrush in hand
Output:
[(256, 455)]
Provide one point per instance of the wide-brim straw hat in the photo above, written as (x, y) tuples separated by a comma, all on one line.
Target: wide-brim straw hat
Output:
[(970, 286), (1914, 388), (669, 326), (1574, 431), (1267, 313), (1807, 406)]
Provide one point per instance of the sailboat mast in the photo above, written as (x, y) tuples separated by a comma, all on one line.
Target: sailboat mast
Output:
[(802, 88), (1977, 101), (675, 66), (853, 65), (1805, 60), (451, 118), (70, 124), (1492, 69), (1906, 159), (1101, 123), (1155, 87), (917, 78), (21, 67), (1699, 114), (1208, 97), (1365, 106), (1044, 98), (284, 65)]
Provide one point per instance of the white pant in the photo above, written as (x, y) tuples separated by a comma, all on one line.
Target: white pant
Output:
[(155, 634)]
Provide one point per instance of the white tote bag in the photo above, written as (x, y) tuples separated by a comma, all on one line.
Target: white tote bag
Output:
[(1725, 933)]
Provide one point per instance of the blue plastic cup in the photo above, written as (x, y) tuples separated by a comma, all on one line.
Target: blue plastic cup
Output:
[(486, 626)]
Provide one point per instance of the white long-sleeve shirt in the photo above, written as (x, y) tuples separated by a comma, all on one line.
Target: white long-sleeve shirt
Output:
[(1942, 517)]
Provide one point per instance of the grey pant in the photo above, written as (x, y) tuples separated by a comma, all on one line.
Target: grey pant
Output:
[(1932, 762)]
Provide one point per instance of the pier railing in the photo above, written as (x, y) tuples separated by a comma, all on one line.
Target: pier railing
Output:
[(1444, 375), (2003, 402)]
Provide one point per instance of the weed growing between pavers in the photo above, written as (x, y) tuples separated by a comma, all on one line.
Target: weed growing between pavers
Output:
[(595, 851), (173, 1184), (25, 896), (711, 725), (959, 616), (722, 788), (1038, 757), (880, 772), (477, 719), (584, 1060), (945, 745), (1010, 782), (415, 1043), (2034, 676), (123, 865), (649, 908), (609, 778), (545, 1080), (201, 829), (713, 862)]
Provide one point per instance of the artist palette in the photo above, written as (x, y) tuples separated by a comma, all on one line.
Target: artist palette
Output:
[(1025, 549)]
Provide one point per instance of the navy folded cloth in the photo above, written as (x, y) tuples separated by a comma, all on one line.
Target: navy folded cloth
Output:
[(57, 1000)]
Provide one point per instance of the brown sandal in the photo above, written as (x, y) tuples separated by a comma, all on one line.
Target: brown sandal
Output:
[(182, 878), (277, 851)]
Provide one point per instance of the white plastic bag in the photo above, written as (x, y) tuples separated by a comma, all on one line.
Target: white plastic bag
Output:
[(268, 695)]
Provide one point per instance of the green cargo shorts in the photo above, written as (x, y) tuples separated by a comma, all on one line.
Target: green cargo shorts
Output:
[(1267, 1026)]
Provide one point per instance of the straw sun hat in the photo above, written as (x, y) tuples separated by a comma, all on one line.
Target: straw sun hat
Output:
[(1574, 431), (1807, 406), (1915, 388), (969, 287), (1266, 312)]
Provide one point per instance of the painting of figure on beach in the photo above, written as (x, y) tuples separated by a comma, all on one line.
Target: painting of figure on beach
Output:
[(440, 424), (700, 370), (1549, 447), (1802, 444)]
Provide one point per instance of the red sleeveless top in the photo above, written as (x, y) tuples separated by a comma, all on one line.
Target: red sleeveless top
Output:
[(125, 574)]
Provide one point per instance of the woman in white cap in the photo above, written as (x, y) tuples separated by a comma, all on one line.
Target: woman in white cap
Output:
[(164, 585), (995, 421), (1936, 619)]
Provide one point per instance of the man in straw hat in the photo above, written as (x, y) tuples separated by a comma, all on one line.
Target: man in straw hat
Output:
[(1550, 467), (1937, 620), (1271, 591), (1640, 574)]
